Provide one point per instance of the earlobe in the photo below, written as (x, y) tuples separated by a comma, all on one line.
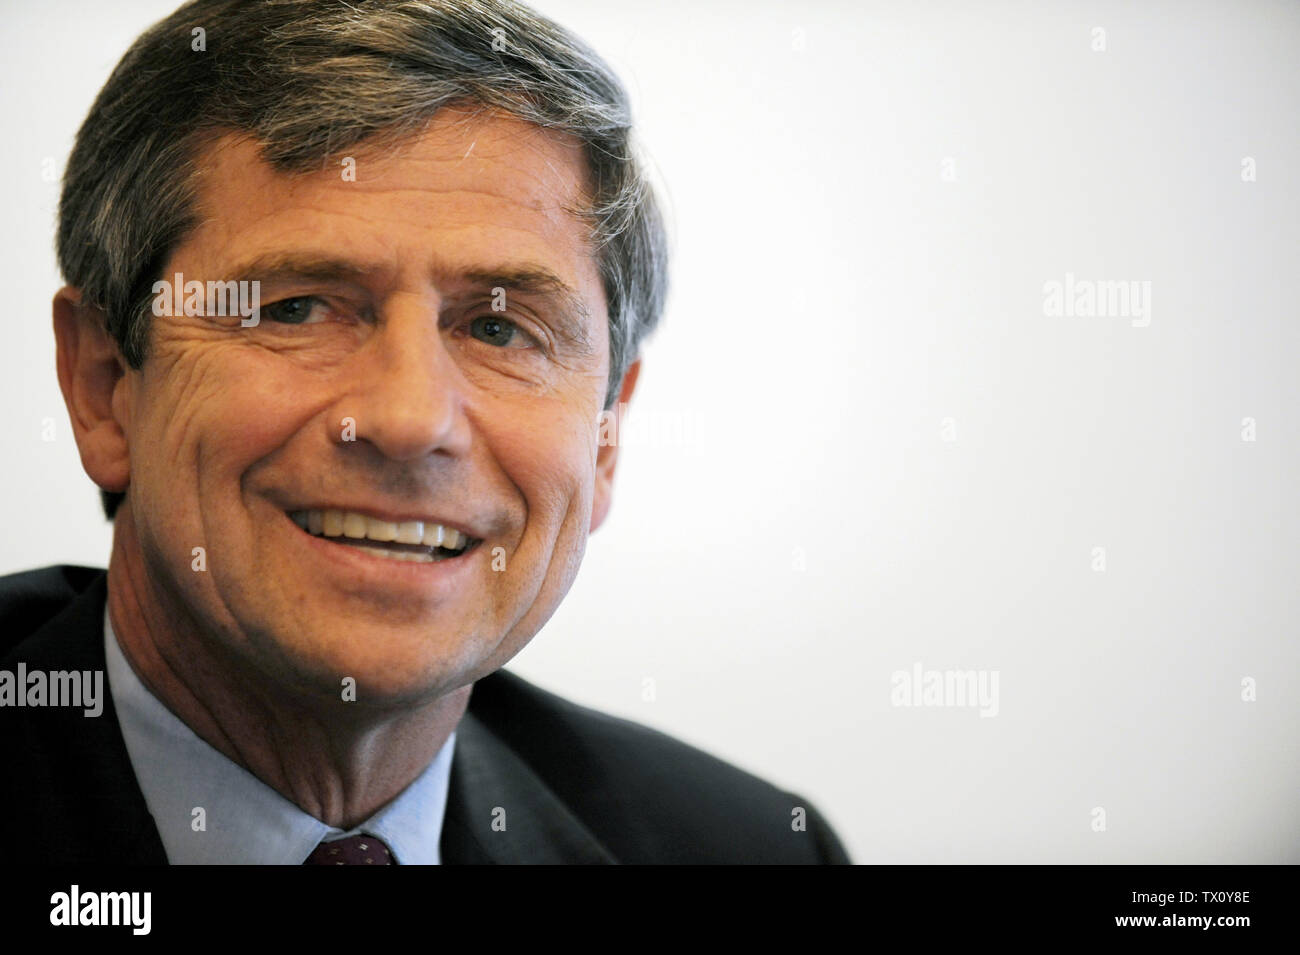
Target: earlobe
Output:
[(607, 454), (91, 372)]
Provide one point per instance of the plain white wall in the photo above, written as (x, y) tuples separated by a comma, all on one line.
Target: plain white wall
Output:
[(865, 445)]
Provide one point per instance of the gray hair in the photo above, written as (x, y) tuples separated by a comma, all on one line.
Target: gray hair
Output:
[(310, 78)]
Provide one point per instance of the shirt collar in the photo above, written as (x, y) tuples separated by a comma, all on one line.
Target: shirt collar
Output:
[(209, 810)]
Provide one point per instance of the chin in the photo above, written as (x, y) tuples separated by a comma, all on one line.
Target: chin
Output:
[(383, 666)]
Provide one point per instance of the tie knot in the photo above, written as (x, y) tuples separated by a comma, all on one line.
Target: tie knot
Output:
[(351, 850)]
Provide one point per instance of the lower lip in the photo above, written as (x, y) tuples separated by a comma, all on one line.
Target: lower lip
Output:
[(360, 565)]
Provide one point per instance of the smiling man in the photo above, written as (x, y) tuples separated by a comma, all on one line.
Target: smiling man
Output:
[(339, 515)]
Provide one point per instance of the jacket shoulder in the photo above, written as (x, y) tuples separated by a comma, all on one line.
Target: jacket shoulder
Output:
[(31, 598), (647, 796)]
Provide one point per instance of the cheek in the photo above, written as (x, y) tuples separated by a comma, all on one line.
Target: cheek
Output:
[(548, 453), (212, 414), (551, 464)]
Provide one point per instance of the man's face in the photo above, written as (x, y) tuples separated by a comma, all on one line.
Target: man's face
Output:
[(380, 382)]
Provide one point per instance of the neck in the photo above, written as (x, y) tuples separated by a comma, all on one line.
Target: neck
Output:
[(340, 764)]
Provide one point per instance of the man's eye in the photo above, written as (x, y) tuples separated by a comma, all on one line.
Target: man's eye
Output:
[(291, 311), (501, 332)]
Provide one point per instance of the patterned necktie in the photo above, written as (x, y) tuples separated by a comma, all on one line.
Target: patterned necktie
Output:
[(354, 850)]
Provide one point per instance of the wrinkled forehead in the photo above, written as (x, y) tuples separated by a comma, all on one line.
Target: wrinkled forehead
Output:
[(463, 173)]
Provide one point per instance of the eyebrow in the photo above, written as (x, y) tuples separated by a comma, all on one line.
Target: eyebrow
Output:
[(277, 266), (527, 278)]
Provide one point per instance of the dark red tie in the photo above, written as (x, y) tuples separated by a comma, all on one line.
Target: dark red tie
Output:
[(353, 850)]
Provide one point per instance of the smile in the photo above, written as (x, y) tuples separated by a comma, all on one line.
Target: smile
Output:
[(418, 541)]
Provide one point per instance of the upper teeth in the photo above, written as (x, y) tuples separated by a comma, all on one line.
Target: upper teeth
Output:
[(333, 523)]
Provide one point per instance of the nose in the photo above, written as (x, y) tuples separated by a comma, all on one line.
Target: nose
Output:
[(408, 401)]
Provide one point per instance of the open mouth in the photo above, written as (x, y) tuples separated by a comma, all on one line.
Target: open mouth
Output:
[(418, 541)]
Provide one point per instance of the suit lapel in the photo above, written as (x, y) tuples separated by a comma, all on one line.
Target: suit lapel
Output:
[(90, 806), (500, 812)]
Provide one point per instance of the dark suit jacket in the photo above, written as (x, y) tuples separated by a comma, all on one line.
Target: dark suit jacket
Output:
[(578, 786)]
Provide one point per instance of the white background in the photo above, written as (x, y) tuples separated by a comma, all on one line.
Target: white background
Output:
[(834, 300)]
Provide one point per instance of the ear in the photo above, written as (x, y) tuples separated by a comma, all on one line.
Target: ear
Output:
[(607, 455), (92, 377)]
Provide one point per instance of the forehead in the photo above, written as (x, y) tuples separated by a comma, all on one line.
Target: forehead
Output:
[(469, 194)]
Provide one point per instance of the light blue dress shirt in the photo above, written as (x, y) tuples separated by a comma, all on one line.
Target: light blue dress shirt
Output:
[(245, 820)]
